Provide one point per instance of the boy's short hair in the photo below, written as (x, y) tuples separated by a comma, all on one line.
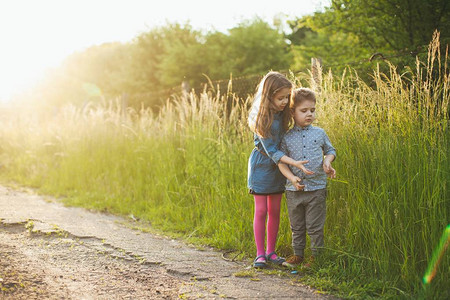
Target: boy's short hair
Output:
[(301, 94)]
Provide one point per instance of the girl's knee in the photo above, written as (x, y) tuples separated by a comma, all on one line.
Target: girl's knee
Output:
[(260, 212)]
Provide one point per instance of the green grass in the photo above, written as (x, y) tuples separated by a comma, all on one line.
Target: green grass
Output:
[(184, 171)]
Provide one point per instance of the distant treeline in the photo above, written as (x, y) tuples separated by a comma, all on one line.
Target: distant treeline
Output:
[(155, 63)]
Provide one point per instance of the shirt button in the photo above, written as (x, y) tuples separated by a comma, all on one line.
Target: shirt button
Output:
[(303, 136), (304, 146)]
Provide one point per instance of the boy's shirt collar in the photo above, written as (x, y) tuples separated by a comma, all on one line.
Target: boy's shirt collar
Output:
[(299, 128)]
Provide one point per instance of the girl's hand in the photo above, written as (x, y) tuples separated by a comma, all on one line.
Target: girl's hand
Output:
[(299, 164), (328, 169), (296, 183)]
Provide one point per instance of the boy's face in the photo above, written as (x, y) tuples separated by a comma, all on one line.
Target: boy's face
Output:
[(281, 99), (305, 113)]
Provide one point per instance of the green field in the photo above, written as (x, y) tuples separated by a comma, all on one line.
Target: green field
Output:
[(184, 170)]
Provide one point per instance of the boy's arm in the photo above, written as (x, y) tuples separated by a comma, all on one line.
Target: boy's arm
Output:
[(330, 154), (328, 169), (295, 180), (329, 158), (328, 149)]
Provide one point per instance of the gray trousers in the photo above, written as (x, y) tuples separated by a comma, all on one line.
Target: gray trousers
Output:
[(307, 213)]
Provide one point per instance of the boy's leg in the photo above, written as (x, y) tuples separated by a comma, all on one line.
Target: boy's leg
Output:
[(296, 210), (315, 218)]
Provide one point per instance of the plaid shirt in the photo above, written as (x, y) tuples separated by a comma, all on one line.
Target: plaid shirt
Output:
[(308, 143)]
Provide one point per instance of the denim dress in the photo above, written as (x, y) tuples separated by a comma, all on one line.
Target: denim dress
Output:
[(264, 177)]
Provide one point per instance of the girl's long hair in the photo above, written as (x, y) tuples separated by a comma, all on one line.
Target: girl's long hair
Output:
[(273, 82)]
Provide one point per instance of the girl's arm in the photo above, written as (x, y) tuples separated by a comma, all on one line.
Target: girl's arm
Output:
[(295, 180), (296, 163), (271, 148)]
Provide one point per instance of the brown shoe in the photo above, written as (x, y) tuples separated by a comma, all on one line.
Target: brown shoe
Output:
[(309, 263), (293, 261)]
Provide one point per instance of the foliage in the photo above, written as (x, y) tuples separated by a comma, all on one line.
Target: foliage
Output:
[(166, 56), (350, 32), (332, 49), (391, 25), (256, 48)]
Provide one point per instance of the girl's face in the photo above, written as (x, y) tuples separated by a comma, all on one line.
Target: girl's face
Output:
[(305, 113), (281, 99)]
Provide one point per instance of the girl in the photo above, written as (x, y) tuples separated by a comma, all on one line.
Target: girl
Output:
[(269, 119)]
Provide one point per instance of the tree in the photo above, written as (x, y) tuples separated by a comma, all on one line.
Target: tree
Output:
[(389, 24), (183, 56), (218, 62), (352, 31), (255, 47), (386, 24), (334, 49)]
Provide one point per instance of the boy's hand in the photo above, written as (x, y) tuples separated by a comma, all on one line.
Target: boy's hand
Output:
[(296, 183), (299, 165), (328, 169)]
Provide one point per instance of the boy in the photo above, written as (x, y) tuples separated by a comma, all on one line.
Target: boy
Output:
[(306, 200)]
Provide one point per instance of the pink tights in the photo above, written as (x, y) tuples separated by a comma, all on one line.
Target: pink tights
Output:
[(266, 205)]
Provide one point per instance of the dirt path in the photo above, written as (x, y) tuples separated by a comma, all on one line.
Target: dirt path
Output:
[(48, 251)]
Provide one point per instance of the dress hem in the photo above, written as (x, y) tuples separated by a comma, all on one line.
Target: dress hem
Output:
[(255, 193)]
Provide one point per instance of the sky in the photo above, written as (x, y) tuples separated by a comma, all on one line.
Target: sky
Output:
[(36, 35)]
